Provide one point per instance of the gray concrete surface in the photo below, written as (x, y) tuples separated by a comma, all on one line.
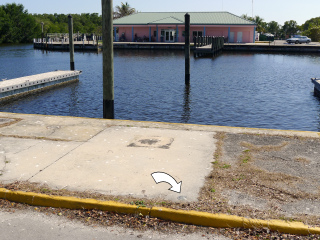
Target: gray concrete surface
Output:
[(117, 157), (28, 225), (96, 155)]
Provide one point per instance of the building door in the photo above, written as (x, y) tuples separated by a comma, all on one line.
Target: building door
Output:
[(231, 37), (239, 37), (169, 35)]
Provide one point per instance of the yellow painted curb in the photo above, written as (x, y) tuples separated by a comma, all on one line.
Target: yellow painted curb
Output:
[(182, 216), (37, 199), (229, 221)]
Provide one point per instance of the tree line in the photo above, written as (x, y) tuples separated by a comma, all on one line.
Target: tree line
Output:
[(310, 28), (19, 26)]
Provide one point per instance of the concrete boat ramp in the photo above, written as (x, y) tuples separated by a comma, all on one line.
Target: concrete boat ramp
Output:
[(13, 88), (271, 172)]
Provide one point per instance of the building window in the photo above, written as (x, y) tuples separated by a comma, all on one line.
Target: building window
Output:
[(155, 33)]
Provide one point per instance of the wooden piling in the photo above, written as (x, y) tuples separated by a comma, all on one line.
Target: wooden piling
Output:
[(108, 74), (71, 45), (187, 49)]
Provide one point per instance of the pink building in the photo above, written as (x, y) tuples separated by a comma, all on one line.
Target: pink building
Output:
[(169, 27)]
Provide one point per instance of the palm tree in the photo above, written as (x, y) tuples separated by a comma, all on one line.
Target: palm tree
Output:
[(261, 25), (124, 10), (245, 16), (273, 27)]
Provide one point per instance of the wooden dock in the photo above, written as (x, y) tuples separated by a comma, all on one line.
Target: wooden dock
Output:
[(64, 46), (207, 46), (19, 87)]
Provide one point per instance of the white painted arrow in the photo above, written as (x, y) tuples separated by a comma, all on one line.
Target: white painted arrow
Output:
[(164, 177)]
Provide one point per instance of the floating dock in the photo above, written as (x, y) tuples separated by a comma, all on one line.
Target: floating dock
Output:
[(18, 87), (316, 82)]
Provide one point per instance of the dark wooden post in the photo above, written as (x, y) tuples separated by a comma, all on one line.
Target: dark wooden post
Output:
[(212, 45), (47, 41), (42, 34), (71, 45), (108, 75), (187, 49), (97, 38)]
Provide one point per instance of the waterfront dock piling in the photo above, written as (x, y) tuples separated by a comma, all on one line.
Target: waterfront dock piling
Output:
[(71, 44), (108, 70), (18, 87), (187, 49)]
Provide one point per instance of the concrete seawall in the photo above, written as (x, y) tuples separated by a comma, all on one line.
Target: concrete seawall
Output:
[(277, 46), (58, 46), (290, 48)]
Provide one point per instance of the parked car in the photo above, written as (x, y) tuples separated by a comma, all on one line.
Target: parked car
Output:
[(299, 39)]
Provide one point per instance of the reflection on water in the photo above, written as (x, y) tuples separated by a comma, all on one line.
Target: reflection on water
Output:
[(232, 89), (186, 106)]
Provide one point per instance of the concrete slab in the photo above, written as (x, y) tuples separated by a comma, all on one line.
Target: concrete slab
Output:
[(261, 168), (4, 121), (112, 163), (24, 158)]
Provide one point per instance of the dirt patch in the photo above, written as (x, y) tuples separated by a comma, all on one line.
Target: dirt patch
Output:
[(4, 122), (266, 177)]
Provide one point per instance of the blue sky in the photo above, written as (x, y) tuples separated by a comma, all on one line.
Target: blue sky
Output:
[(277, 10)]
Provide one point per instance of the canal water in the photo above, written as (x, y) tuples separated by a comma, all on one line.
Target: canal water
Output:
[(256, 90)]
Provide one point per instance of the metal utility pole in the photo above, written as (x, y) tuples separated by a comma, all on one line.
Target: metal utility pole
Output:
[(71, 45), (187, 49), (252, 8), (108, 74)]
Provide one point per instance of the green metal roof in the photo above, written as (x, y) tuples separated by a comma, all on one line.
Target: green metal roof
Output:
[(177, 18)]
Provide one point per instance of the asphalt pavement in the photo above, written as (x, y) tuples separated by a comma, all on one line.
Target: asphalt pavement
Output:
[(27, 225)]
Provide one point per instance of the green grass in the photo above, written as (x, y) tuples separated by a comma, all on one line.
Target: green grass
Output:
[(226, 166), (139, 203)]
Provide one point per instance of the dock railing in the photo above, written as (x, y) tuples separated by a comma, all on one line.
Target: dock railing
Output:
[(60, 41)]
